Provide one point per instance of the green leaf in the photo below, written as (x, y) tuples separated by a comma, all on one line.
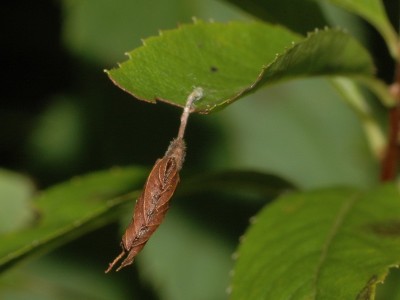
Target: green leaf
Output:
[(182, 242), (187, 242), (391, 289), (306, 154), (101, 30), (230, 60), (180, 245), (374, 12), (16, 192), (62, 278), (57, 137), (326, 244), (300, 16), (237, 182), (327, 52), (356, 100), (70, 209), (303, 16)]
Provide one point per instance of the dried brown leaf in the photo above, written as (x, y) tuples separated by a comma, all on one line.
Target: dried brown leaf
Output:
[(153, 203)]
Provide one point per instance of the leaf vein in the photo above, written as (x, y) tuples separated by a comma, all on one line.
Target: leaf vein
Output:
[(338, 221)]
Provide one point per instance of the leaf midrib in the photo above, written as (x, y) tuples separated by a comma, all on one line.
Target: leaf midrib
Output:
[(336, 225)]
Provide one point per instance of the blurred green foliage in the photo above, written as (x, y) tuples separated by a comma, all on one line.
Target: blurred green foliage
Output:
[(61, 116)]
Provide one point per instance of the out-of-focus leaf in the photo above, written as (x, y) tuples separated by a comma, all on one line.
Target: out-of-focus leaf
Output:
[(238, 182), (299, 16), (306, 15), (326, 244), (57, 136), (353, 96), (181, 244), (374, 12), (16, 192), (302, 131), (230, 60), (102, 30), (70, 209), (63, 279), (185, 261)]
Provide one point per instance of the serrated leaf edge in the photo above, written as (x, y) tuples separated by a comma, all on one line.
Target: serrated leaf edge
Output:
[(251, 86)]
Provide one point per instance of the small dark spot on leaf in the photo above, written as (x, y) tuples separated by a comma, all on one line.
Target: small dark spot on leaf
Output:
[(213, 69), (389, 228)]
